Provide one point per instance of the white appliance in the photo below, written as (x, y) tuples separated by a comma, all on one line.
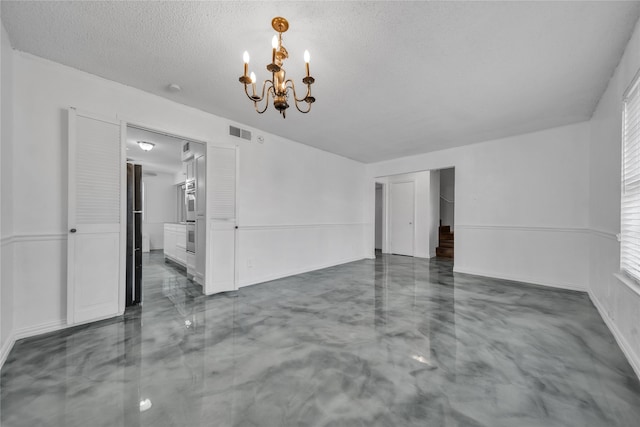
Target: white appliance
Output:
[(190, 202)]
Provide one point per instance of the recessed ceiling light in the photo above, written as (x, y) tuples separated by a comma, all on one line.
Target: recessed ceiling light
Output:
[(146, 146)]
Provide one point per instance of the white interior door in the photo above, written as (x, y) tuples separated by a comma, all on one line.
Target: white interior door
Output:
[(402, 209), (95, 181), (222, 176)]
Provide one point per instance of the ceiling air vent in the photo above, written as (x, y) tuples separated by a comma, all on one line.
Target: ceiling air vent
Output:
[(240, 133)]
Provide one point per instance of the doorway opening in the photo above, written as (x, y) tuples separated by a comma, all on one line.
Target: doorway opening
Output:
[(445, 247), (165, 212), (414, 213), (379, 218)]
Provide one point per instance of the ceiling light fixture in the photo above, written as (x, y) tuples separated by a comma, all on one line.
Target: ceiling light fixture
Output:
[(145, 405), (146, 146), (278, 87)]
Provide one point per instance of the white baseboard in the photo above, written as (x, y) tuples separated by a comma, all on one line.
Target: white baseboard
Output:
[(6, 349), (42, 328), (276, 276), (633, 358), (55, 325), (519, 279)]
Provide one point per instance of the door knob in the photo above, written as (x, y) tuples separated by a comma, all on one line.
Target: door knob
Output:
[(73, 230)]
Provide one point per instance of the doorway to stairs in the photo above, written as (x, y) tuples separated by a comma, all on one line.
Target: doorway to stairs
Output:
[(414, 214), (446, 239), (379, 215)]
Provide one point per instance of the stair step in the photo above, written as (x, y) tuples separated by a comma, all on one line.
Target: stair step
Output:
[(446, 236), (444, 252), (446, 243), (445, 228)]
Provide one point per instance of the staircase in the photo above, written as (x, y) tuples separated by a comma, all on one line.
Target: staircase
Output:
[(445, 245)]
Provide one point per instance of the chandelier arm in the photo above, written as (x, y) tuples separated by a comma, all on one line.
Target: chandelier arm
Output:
[(302, 111), (266, 104), (295, 98), (293, 88), (246, 91)]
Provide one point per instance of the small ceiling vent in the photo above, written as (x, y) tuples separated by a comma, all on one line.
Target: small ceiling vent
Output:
[(240, 133)]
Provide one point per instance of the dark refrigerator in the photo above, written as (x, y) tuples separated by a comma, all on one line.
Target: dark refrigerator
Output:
[(133, 294)]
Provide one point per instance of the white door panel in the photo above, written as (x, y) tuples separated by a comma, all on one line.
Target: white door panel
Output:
[(96, 296), (222, 255), (221, 232), (402, 207), (95, 208)]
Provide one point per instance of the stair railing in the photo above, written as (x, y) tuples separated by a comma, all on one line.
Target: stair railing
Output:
[(446, 200)]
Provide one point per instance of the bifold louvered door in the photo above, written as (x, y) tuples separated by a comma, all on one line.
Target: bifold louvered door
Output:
[(94, 218), (222, 172)]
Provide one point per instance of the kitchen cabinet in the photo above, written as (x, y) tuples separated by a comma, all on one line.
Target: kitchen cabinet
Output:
[(200, 250), (169, 241), (191, 263), (200, 171), (191, 170), (175, 243)]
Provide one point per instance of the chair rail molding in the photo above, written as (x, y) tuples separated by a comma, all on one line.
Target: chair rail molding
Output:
[(522, 228)]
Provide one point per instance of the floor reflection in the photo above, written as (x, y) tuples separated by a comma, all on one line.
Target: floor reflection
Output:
[(391, 341)]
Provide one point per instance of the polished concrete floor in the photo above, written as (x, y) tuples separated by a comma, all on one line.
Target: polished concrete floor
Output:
[(393, 342)]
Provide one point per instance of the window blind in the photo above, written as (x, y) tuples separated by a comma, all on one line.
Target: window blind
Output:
[(630, 200)]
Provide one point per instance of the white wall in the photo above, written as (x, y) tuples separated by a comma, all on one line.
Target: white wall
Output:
[(618, 304), (448, 191), (160, 206), (521, 204), (6, 198), (299, 208)]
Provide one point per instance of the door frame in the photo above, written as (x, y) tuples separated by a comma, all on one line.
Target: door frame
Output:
[(385, 215), (128, 121)]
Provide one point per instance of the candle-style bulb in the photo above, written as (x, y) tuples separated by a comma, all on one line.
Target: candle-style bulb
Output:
[(306, 60), (253, 77), (274, 42), (245, 57)]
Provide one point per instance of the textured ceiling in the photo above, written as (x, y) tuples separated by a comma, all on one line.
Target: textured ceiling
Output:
[(165, 157), (392, 78)]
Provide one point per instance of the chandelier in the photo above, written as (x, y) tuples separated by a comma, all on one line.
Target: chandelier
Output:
[(279, 86)]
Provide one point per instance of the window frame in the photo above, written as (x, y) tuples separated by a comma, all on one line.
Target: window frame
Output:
[(630, 95)]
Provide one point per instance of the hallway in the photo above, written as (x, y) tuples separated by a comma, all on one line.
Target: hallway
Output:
[(396, 341)]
